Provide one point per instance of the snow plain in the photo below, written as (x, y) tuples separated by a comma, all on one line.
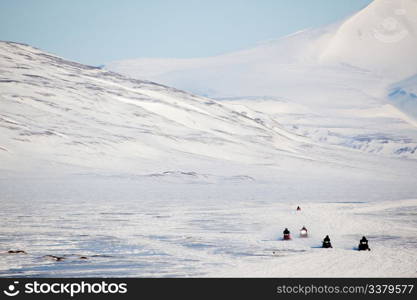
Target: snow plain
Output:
[(157, 229)]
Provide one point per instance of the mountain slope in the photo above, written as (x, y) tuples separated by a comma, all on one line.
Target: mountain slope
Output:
[(332, 81), (60, 115), (404, 95), (379, 40), (265, 70), (53, 108)]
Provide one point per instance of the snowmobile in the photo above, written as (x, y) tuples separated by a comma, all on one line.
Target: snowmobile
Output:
[(303, 232), (363, 244), (287, 235), (326, 242)]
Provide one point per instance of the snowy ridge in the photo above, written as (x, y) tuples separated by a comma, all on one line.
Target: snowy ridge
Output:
[(63, 116), (333, 79), (381, 38), (60, 112)]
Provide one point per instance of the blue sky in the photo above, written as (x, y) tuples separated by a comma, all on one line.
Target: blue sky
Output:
[(98, 31)]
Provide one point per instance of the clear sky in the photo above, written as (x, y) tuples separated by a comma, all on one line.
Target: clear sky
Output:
[(99, 31)]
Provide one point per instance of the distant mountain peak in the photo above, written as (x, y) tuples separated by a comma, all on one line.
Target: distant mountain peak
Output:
[(381, 38)]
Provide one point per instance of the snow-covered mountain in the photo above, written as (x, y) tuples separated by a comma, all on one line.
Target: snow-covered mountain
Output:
[(60, 115), (362, 55), (270, 69), (59, 112), (380, 41), (329, 84), (381, 38)]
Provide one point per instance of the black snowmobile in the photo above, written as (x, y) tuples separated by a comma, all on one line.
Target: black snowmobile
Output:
[(363, 245), (327, 243)]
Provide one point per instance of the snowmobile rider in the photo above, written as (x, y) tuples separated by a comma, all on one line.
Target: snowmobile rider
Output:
[(303, 232), (287, 234), (298, 208), (363, 244), (327, 243)]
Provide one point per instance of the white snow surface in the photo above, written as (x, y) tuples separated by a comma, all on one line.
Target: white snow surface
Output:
[(150, 228), (148, 180)]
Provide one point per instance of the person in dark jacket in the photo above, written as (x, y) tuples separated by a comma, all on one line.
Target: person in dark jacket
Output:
[(363, 244), (287, 235), (327, 243)]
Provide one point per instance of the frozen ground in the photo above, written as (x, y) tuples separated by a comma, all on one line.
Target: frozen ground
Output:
[(154, 228)]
